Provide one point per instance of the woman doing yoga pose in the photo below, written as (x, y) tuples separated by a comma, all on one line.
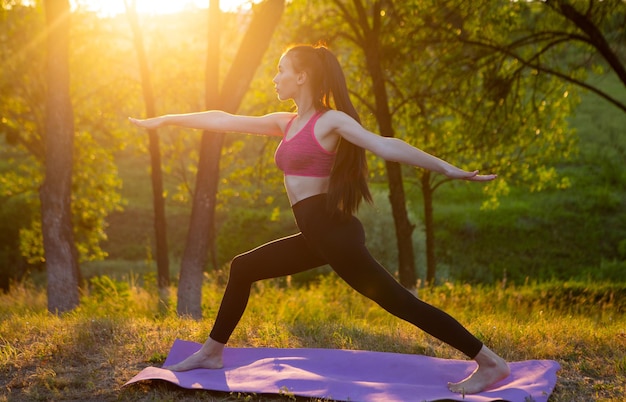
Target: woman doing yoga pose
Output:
[(323, 159)]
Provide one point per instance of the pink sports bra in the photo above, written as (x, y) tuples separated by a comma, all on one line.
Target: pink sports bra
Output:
[(303, 155)]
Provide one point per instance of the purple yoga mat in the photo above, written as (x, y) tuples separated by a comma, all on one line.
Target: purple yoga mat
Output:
[(351, 375)]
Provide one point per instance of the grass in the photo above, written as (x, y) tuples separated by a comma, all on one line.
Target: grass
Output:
[(121, 327)]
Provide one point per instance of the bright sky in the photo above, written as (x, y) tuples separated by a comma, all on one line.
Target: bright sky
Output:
[(112, 7)]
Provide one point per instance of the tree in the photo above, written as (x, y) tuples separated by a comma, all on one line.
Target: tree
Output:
[(19, 204), (600, 27), (475, 115), (360, 25), (558, 38), (58, 237), (96, 103), (158, 199), (201, 234), (485, 112), (366, 33), (529, 56)]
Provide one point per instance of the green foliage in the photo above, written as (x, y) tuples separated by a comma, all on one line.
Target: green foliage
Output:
[(95, 183), (554, 235), (533, 55), (244, 228), (469, 105), (621, 249), (569, 297), (95, 195), (377, 220), (496, 115), (448, 95), (569, 233), (18, 206), (248, 174), (106, 289)]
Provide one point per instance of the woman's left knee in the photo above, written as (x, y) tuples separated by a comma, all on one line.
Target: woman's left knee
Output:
[(240, 268)]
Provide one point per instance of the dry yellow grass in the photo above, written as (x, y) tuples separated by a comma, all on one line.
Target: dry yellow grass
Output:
[(120, 329)]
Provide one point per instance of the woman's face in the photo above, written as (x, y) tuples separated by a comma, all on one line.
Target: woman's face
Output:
[(286, 80)]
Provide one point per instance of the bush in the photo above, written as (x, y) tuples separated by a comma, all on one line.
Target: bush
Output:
[(245, 228), (15, 213), (542, 236)]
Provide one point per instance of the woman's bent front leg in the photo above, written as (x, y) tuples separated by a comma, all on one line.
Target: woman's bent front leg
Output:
[(286, 256), (281, 257)]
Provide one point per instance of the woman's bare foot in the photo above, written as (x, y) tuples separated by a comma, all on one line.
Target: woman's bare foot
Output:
[(491, 369), (209, 356)]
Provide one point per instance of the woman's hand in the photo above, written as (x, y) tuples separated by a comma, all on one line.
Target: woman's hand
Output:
[(471, 176), (150, 124)]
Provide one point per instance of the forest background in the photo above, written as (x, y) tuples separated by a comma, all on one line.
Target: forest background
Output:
[(556, 215), (557, 211)]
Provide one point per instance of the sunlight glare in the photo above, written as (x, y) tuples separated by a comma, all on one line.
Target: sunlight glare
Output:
[(109, 8)]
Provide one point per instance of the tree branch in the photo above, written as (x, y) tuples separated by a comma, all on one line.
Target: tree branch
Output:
[(549, 71), (596, 38)]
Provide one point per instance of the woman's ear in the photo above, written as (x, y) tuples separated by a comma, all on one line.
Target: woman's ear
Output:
[(302, 77)]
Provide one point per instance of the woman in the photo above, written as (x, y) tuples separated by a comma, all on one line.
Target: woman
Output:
[(323, 159)]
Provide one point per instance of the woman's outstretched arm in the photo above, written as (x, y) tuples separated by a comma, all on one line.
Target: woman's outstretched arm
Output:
[(219, 121), (396, 150)]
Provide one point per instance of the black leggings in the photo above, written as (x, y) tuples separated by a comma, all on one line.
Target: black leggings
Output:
[(341, 244)]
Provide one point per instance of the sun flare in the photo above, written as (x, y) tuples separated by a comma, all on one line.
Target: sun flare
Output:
[(113, 7)]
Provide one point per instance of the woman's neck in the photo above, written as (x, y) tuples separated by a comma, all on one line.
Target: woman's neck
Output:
[(305, 107)]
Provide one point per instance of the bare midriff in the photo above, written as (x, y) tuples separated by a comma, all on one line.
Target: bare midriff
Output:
[(301, 187)]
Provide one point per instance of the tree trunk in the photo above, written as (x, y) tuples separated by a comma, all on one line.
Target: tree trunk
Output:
[(211, 147), (156, 173), (429, 224), (202, 234), (404, 227), (55, 194)]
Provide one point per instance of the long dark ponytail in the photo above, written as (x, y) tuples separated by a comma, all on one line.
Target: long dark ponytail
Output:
[(348, 180)]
